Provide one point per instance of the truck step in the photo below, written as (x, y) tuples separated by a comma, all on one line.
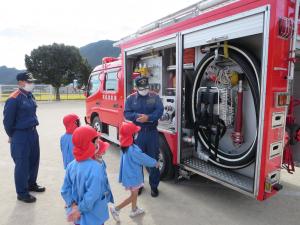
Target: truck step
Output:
[(216, 173)]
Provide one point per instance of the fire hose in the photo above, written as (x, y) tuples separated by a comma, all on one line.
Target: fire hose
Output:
[(210, 135)]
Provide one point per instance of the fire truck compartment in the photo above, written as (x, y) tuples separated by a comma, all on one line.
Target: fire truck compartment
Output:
[(237, 168)]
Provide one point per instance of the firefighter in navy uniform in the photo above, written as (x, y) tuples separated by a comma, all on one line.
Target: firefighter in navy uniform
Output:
[(20, 123), (144, 108)]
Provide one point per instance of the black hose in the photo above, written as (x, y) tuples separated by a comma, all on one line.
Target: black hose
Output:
[(249, 70)]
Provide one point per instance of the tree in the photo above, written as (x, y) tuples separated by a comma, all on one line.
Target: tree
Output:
[(84, 73), (55, 64)]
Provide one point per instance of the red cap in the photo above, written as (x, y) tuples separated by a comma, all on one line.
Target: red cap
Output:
[(84, 147), (103, 146), (127, 130), (70, 122)]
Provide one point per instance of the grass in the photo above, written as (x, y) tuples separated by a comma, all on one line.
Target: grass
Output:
[(49, 97)]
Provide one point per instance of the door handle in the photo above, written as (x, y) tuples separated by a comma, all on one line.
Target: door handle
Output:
[(116, 105), (217, 39), (97, 103)]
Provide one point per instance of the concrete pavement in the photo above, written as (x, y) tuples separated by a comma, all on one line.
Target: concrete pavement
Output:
[(194, 202)]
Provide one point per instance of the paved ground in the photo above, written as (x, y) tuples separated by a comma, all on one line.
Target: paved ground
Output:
[(194, 202)]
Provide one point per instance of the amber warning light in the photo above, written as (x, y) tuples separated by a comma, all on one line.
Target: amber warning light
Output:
[(282, 99)]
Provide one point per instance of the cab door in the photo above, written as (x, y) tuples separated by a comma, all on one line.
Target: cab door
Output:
[(111, 106), (93, 95)]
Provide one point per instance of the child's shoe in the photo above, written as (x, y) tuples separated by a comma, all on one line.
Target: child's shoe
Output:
[(115, 213), (136, 212)]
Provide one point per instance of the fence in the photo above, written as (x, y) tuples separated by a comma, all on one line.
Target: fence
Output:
[(44, 92)]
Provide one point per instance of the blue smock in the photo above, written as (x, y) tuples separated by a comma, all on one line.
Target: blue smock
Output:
[(84, 184), (131, 166), (66, 147)]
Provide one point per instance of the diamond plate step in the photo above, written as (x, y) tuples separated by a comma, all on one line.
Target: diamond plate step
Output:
[(225, 175)]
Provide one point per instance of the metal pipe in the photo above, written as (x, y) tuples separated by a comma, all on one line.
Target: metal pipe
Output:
[(203, 5), (237, 136)]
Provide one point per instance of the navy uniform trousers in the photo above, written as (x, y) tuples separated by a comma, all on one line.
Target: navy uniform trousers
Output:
[(147, 140), (25, 152)]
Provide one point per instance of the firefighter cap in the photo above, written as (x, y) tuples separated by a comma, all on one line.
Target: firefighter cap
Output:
[(25, 76), (142, 82)]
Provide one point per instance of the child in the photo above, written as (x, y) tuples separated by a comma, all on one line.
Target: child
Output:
[(71, 122), (83, 189), (131, 165), (102, 147)]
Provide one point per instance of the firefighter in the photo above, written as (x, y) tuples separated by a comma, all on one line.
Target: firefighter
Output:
[(144, 108), (20, 123)]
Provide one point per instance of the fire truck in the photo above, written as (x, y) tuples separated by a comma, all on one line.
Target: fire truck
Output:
[(224, 70)]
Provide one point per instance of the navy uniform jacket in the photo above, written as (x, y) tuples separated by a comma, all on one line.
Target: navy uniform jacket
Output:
[(150, 105), (19, 112)]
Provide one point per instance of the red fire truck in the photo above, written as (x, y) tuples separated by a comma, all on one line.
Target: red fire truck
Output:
[(224, 70)]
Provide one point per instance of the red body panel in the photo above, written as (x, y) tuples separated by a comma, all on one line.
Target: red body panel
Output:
[(172, 142), (276, 82)]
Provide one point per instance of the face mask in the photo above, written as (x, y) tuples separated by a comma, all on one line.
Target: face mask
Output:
[(28, 87), (143, 92)]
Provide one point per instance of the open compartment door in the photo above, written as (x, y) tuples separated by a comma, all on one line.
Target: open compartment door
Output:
[(213, 141)]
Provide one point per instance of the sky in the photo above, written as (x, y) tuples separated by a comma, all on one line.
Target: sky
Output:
[(25, 25)]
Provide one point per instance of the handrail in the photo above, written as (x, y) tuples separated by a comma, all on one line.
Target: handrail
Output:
[(181, 15)]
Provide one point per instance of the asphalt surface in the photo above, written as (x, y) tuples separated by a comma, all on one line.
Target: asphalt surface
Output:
[(194, 202)]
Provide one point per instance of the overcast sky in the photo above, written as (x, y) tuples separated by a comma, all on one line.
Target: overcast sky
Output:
[(25, 25)]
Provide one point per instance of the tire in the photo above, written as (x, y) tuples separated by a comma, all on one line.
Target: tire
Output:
[(96, 123), (165, 158), (250, 67)]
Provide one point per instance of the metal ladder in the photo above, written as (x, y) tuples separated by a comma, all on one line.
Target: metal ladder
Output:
[(294, 45)]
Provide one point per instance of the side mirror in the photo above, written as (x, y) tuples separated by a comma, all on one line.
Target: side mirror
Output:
[(85, 93)]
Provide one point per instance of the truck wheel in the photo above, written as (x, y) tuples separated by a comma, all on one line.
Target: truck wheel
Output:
[(165, 159), (96, 123)]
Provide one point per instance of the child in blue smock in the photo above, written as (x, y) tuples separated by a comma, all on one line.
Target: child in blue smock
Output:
[(131, 166), (102, 147), (71, 122), (84, 185)]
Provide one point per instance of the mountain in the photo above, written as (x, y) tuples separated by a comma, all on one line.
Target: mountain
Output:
[(94, 52), (8, 75)]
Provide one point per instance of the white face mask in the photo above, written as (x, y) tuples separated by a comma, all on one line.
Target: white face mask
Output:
[(28, 87), (143, 92)]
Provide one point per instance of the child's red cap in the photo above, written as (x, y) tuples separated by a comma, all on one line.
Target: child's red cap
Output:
[(83, 138), (103, 146), (127, 130), (70, 122)]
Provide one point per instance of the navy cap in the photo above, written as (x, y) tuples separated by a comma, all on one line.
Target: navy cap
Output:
[(25, 76), (142, 82)]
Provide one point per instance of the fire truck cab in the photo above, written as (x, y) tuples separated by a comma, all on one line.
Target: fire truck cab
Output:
[(224, 70)]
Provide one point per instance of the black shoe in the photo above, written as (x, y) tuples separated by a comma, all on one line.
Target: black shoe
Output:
[(37, 188), (27, 198), (154, 192), (140, 190)]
